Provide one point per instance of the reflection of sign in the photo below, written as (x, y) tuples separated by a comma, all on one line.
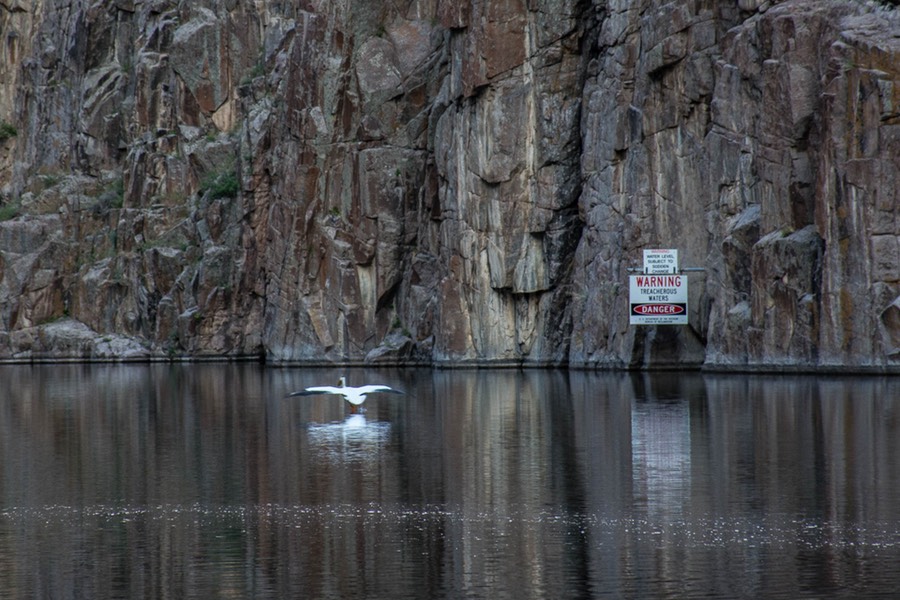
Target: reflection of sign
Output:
[(657, 262), (658, 299)]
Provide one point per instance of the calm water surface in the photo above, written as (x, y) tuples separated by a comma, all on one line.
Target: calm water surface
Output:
[(203, 481)]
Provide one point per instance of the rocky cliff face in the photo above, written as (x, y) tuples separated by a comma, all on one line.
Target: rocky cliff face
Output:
[(449, 182)]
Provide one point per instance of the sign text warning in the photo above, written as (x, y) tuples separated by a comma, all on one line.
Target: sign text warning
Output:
[(658, 299)]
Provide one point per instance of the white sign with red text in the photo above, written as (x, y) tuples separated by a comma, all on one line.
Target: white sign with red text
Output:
[(658, 300)]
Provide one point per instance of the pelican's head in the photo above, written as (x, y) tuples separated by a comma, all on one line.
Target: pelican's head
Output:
[(342, 382)]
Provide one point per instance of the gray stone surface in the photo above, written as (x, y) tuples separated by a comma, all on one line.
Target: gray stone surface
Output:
[(450, 182)]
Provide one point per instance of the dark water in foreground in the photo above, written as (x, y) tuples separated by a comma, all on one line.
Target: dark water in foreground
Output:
[(202, 481)]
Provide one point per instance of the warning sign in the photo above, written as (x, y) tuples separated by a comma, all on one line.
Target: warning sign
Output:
[(658, 261), (658, 299)]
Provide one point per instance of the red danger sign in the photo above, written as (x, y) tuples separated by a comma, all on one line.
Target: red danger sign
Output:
[(658, 309)]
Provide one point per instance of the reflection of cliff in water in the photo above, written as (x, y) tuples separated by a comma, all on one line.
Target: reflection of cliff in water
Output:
[(477, 483)]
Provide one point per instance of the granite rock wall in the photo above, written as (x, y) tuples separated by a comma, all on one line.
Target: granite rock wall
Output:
[(449, 182)]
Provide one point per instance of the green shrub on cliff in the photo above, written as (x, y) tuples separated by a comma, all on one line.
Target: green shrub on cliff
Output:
[(224, 184), (9, 211), (113, 196), (7, 130)]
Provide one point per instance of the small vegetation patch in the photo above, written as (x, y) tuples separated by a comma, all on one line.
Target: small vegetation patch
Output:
[(48, 180), (7, 131), (113, 196), (9, 211), (224, 184), (258, 70)]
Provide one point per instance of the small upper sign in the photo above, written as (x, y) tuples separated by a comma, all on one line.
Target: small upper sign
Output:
[(657, 262)]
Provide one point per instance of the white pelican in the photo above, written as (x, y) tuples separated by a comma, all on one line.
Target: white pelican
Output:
[(354, 395)]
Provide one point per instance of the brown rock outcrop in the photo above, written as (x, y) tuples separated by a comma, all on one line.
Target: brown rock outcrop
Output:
[(733, 136), (449, 182)]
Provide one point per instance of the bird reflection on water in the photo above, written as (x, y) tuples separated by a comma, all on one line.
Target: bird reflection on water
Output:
[(353, 439)]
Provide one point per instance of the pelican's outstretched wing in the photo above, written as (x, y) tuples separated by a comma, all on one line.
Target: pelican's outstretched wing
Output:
[(319, 389), (369, 389)]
